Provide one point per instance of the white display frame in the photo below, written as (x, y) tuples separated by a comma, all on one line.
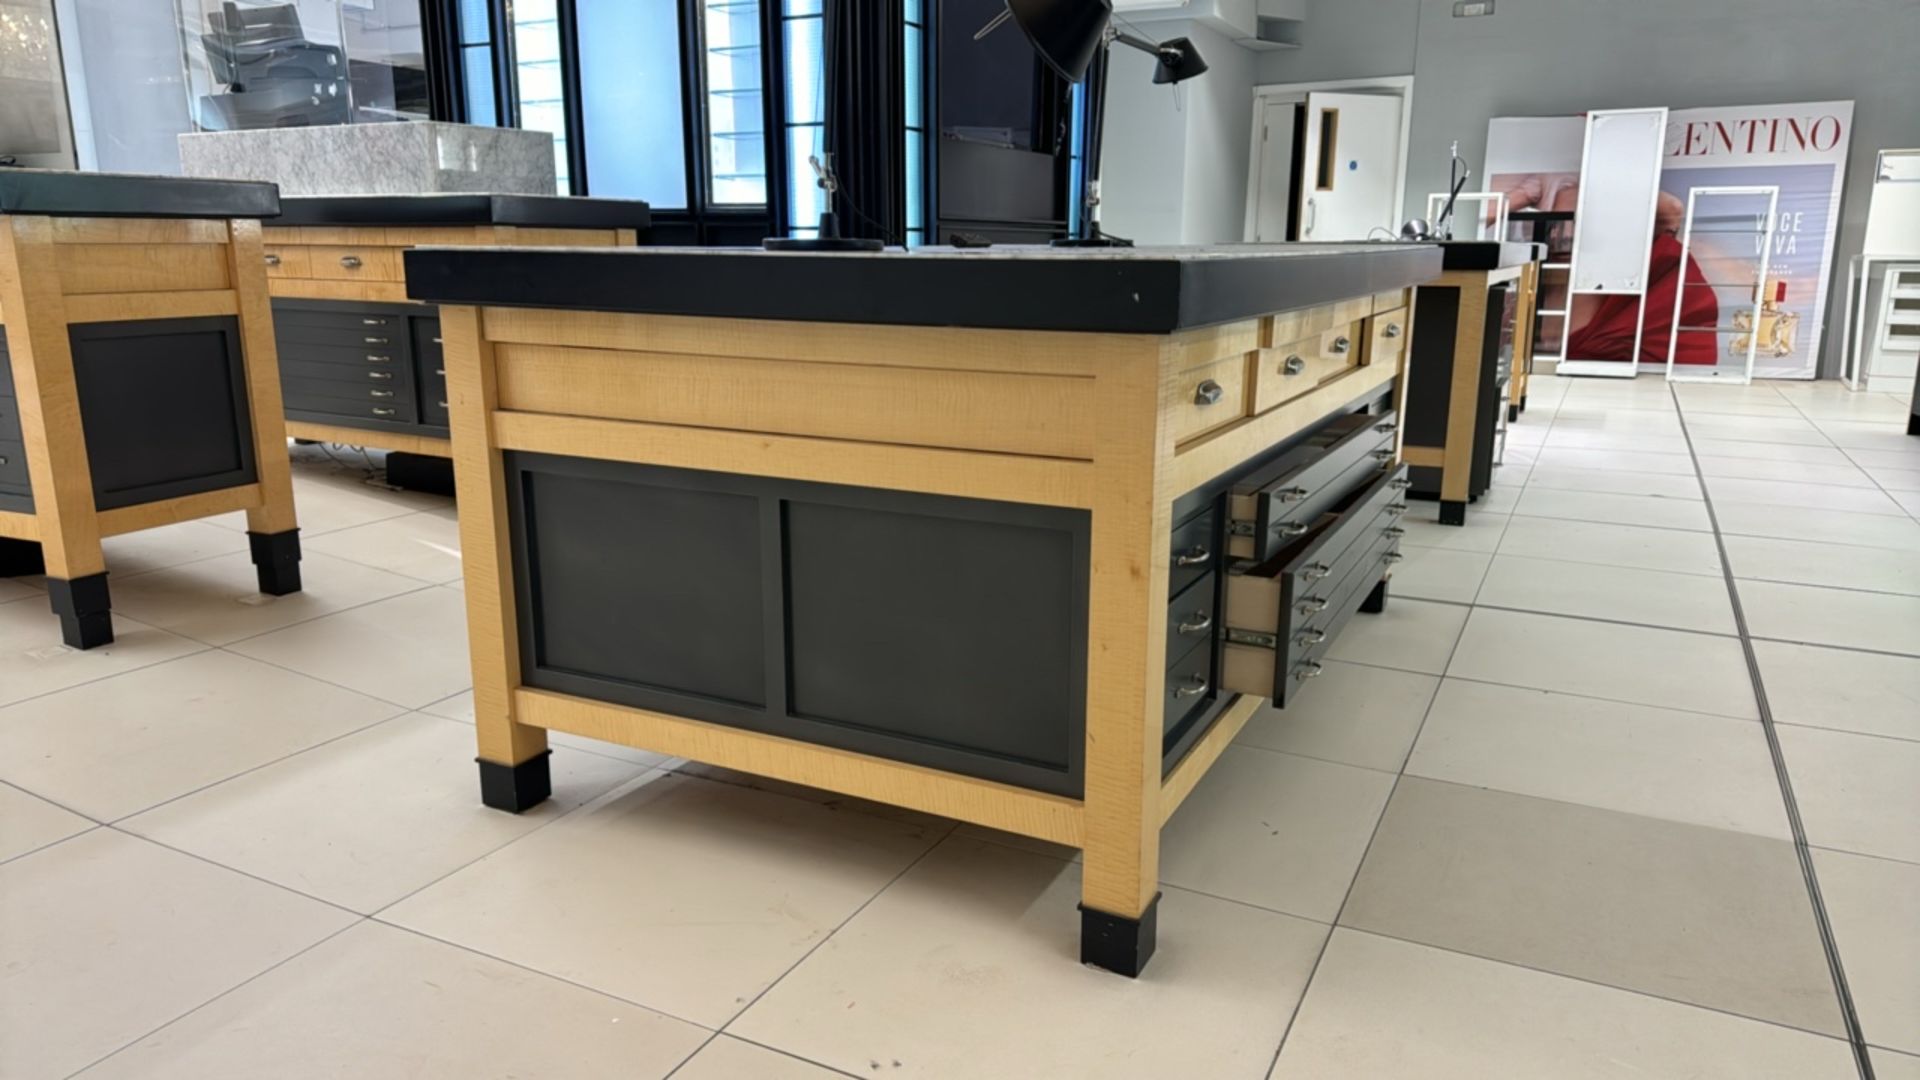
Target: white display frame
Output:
[(1437, 201), (1772, 192), (1583, 221)]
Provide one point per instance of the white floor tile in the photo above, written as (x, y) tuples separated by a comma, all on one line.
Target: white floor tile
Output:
[(1571, 438), (1906, 456), (1624, 594), (105, 937), (34, 662), (1481, 533), (1858, 793), (168, 546), (1668, 668), (1842, 690), (218, 600), (1823, 526), (380, 1002), (424, 546), (1428, 573), (1356, 715), (119, 745), (1652, 511), (1761, 451), (1634, 546), (1874, 906), (1276, 831), (1891, 1065), (1837, 566), (1382, 1009), (325, 507), (1896, 480), (17, 589), (1679, 766), (28, 822), (409, 649), (1411, 635), (1746, 468), (982, 938), (1628, 460), (1616, 482), (728, 1058), (1787, 494), (460, 707), (1842, 617), (684, 895), (1866, 435)]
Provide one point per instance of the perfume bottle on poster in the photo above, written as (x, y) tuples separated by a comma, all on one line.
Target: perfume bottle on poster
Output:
[(1779, 330)]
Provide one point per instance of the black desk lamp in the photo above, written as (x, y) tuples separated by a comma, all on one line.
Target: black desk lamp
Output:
[(829, 238), (1068, 34)]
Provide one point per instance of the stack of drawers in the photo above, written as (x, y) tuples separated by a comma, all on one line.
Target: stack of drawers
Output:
[(1193, 589), (371, 366), (15, 492)]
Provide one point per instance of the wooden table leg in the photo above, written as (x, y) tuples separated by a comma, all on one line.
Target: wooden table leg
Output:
[(1463, 405), (513, 756), (273, 533), (56, 446)]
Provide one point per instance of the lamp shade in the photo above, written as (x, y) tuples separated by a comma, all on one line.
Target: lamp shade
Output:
[(1178, 60), (1066, 33)]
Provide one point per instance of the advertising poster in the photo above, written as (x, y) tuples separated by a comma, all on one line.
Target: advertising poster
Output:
[(1800, 148)]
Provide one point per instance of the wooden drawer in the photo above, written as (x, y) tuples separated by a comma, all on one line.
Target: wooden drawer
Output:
[(350, 357), (286, 317), (1284, 373), (1387, 301), (1188, 688), (392, 339), (430, 371), (1387, 337), (13, 466), (1190, 618), (1210, 397), (1282, 615), (1311, 322), (327, 410), (355, 263), (289, 261), (1269, 510), (305, 388), (1193, 551)]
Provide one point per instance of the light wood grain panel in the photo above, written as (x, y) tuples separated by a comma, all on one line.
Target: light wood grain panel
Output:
[(983, 802), (1189, 412), (1208, 344), (387, 292), (953, 348), (1045, 416), (1463, 396), (404, 441), (151, 515), (1527, 305), (376, 235), (49, 402), (1320, 358), (1186, 775), (117, 307), (1387, 301), (1209, 456), (1037, 481), (525, 236), (288, 261), (18, 526), (1432, 457), (131, 268), (137, 231), (326, 262), (1291, 326), (486, 546), (274, 511)]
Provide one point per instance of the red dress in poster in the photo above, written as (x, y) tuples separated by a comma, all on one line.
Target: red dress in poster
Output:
[(1607, 334)]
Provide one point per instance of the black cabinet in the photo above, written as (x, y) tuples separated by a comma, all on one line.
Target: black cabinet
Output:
[(377, 367), (1430, 377)]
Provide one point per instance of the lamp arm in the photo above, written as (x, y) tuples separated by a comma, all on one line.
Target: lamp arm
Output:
[(1149, 47)]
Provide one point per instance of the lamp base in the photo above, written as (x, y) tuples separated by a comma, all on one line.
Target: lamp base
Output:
[(1098, 240), (820, 243)]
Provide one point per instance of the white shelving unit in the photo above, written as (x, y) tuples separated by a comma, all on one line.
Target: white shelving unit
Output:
[(1482, 228), (1737, 220), (1613, 222)]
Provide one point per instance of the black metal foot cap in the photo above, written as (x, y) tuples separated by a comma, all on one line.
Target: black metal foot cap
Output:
[(21, 557), (276, 559), (1117, 943), (515, 788), (1513, 413), (1376, 601), (1453, 513), (1913, 424), (86, 617), (420, 472)]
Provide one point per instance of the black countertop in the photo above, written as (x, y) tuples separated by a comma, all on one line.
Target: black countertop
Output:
[(59, 193), (1490, 254), (1146, 290), (534, 211)]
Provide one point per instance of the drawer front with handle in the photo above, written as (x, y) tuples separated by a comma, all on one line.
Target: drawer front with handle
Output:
[(1210, 397), (9, 419), (1191, 618), (13, 467), (1287, 371), (1282, 614), (357, 390), (1275, 507), (1193, 552), (344, 356), (288, 262), (1387, 337), (354, 263), (287, 318), (430, 370), (1189, 687)]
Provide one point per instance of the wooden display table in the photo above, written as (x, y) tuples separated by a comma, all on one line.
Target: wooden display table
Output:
[(138, 385), (1475, 337), (360, 363), (1021, 538)]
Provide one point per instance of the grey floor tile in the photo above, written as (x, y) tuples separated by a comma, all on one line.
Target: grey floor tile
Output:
[(1871, 693), (1842, 617), (355, 648), (1624, 594), (1381, 1009), (1679, 766), (1356, 715), (1428, 573), (1874, 907), (980, 938), (218, 600), (1892, 1065), (28, 822), (728, 1058), (34, 662), (1669, 668), (1858, 793), (1704, 916), (1411, 635)]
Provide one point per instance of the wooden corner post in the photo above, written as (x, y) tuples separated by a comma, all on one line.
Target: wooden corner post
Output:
[(513, 756), (273, 533)]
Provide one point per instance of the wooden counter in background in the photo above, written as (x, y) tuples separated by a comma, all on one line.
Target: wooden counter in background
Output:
[(138, 384), (1020, 537)]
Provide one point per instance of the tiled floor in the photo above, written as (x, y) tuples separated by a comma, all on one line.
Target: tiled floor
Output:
[(1529, 824)]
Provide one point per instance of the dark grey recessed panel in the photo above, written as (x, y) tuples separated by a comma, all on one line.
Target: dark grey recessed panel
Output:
[(163, 403), (646, 584), (937, 628)]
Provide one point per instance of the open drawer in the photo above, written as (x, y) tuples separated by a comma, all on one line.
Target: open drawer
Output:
[(1273, 508), (1282, 615)]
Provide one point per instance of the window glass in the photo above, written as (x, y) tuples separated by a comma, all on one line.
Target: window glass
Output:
[(536, 56), (630, 100), (736, 132), (806, 113)]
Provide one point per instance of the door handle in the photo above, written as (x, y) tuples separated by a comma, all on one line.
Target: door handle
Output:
[(1313, 216)]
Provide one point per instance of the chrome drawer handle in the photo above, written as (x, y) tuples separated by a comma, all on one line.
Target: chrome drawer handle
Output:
[(1393, 531), (377, 358), (436, 341), (379, 374), (1392, 330), (443, 404), (1208, 392), (1392, 557), (1311, 637), (1396, 509), (1316, 571), (373, 322), (1293, 365), (1199, 623), (1193, 557), (350, 262), (3, 461), (1386, 429), (380, 393), (1195, 686), (378, 411), (1309, 670), (1341, 344), (1383, 455), (1401, 484), (439, 371), (373, 341), (1291, 528), (1292, 494), (273, 260), (1312, 605)]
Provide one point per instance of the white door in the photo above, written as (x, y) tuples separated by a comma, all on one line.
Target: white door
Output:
[(1350, 172), (1276, 172)]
